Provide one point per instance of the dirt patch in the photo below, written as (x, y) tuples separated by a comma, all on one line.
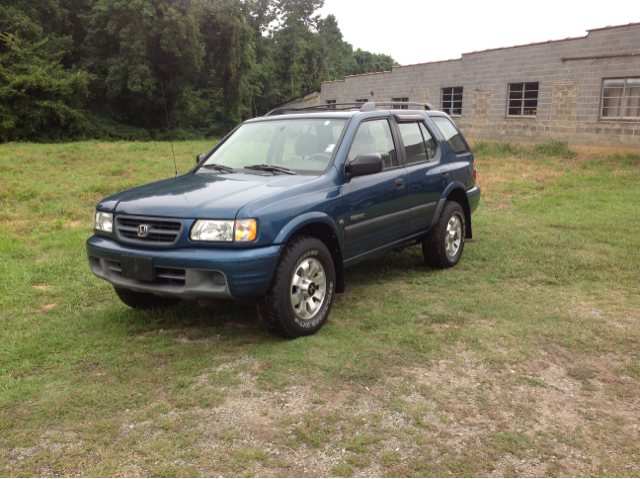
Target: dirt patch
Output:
[(77, 224), (42, 287), (53, 441), (558, 414), (185, 336)]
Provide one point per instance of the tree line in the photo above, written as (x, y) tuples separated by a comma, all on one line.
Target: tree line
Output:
[(73, 69)]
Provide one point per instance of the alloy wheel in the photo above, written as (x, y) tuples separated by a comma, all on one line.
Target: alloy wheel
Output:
[(308, 288)]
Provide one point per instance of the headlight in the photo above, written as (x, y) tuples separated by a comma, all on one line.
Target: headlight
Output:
[(103, 222), (221, 230), (246, 230), (212, 230)]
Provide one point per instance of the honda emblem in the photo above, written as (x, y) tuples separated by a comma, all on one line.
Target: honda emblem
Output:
[(142, 231)]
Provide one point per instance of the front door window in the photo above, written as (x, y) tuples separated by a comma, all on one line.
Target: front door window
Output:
[(374, 137)]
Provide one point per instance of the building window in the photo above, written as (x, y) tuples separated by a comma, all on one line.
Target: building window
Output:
[(523, 99), (400, 107), (362, 100), (621, 98), (331, 103), (452, 100)]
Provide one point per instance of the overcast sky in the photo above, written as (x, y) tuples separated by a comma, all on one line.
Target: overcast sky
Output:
[(414, 31)]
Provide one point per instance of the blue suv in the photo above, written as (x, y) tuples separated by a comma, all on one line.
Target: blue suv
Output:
[(284, 203)]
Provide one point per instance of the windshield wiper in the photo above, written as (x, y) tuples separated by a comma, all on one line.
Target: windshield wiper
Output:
[(216, 166), (264, 167)]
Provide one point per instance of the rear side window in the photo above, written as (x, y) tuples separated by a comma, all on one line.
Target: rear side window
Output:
[(451, 134), (374, 137), (418, 142), (413, 142), (428, 141)]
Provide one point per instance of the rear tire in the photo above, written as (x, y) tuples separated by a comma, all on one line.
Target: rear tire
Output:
[(302, 290), (445, 242), (136, 300)]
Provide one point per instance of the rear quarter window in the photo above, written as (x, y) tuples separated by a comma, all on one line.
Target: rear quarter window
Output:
[(451, 134)]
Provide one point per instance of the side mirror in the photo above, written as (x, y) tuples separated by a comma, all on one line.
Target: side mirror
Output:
[(199, 158), (365, 164)]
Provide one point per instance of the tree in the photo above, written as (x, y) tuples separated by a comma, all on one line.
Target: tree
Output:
[(293, 40), (229, 61), (334, 55), (367, 62), (138, 49), (104, 68), (39, 99)]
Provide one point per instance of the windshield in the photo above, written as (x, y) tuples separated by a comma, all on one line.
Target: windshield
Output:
[(304, 145)]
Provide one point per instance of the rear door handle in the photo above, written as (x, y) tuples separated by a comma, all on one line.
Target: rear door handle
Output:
[(399, 183)]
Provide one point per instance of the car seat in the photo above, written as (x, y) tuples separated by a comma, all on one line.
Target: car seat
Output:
[(306, 145), (363, 144)]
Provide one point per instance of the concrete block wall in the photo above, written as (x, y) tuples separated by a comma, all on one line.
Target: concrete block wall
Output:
[(310, 99), (570, 88)]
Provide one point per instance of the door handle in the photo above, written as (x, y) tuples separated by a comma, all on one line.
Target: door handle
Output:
[(399, 183), (444, 171)]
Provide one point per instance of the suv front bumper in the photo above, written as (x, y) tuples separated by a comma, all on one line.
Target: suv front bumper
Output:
[(189, 272)]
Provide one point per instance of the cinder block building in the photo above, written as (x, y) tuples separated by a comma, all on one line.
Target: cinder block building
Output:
[(584, 90)]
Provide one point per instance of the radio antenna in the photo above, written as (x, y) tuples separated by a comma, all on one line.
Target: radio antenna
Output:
[(169, 129)]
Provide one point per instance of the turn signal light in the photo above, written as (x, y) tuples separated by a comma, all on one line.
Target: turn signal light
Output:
[(475, 173), (246, 230)]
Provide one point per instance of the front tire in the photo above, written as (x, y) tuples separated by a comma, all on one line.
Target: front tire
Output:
[(302, 290), (136, 300), (445, 242)]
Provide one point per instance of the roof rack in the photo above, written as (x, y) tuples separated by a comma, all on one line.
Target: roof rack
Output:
[(370, 106), (359, 106)]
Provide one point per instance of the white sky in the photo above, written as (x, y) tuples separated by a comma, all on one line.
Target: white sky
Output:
[(417, 31)]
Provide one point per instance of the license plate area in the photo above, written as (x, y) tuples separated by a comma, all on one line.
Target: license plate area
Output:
[(135, 267)]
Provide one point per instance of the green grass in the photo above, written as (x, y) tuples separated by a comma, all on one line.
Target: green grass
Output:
[(553, 264), (505, 149)]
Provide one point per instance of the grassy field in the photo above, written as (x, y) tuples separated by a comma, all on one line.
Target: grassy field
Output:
[(524, 360)]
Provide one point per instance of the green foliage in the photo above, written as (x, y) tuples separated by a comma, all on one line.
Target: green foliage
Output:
[(498, 149), (140, 49), (38, 97), (552, 148), (293, 38), (371, 62), (504, 149), (106, 68), (334, 55)]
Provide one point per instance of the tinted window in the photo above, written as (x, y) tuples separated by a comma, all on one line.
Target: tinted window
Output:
[(413, 142), (374, 137), (451, 134), (429, 142)]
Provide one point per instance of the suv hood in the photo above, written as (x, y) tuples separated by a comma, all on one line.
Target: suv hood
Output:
[(201, 195)]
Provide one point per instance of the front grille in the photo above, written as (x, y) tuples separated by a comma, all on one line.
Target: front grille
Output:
[(159, 231)]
